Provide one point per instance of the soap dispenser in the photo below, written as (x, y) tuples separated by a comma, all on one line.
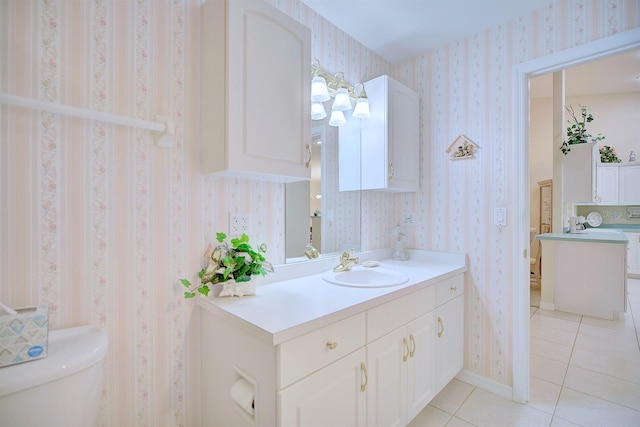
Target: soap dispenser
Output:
[(399, 234)]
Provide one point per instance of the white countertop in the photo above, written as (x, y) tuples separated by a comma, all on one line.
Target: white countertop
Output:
[(284, 309)]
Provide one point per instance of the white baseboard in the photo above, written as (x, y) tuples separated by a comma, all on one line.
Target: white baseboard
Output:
[(486, 384), (547, 306)]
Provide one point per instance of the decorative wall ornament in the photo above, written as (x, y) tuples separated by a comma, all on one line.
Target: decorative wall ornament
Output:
[(462, 148)]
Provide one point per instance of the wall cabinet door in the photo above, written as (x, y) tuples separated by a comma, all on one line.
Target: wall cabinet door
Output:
[(633, 253), (252, 55), (390, 138), (629, 187), (333, 396), (450, 340), (607, 185)]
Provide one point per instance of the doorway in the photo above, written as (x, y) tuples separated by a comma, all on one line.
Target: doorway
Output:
[(598, 49)]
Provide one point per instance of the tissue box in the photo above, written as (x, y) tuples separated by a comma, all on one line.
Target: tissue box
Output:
[(23, 336)]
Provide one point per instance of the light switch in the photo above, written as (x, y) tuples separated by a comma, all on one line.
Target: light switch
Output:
[(500, 216)]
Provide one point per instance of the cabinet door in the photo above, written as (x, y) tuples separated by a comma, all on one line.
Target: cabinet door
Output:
[(421, 365), (332, 396), (403, 138), (633, 253), (607, 185), (629, 188), (387, 364), (259, 121), (450, 340)]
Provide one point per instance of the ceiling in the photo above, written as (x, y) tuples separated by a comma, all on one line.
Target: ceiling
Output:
[(401, 29)]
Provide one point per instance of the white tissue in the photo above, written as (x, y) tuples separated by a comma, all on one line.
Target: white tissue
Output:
[(243, 394)]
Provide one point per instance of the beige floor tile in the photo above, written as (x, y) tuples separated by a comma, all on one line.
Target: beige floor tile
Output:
[(555, 322), (550, 350), (603, 386), (612, 335), (457, 422), (626, 351), (547, 369), (588, 411), (430, 417), (543, 395), (624, 323), (560, 315), (452, 396), (484, 409), (608, 365), (552, 334)]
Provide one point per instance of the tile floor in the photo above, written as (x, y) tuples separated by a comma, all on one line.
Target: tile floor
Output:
[(584, 372)]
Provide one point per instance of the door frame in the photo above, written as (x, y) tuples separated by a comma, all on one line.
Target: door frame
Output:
[(598, 49)]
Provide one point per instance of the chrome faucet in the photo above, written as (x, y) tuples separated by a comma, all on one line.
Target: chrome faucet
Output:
[(346, 262)]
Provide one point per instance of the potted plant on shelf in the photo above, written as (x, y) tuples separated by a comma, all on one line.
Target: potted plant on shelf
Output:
[(608, 155), (577, 131), (231, 266)]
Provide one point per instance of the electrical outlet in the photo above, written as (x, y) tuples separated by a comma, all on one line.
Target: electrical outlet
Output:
[(408, 218), (239, 222)]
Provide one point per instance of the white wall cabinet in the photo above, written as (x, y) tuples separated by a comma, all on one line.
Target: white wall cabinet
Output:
[(607, 184), (377, 367), (629, 184), (633, 253), (387, 144), (579, 173), (255, 91)]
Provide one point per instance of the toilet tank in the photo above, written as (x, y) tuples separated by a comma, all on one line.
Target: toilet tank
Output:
[(63, 389)]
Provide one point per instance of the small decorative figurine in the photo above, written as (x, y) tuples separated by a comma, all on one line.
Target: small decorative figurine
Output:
[(400, 235), (632, 156)]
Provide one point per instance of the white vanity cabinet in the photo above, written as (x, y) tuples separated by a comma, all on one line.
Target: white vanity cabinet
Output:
[(255, 91), (633, 253), (629, 184), (390, 138), (381, 366)]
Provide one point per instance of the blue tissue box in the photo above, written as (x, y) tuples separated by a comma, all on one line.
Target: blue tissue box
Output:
[(23, 336)]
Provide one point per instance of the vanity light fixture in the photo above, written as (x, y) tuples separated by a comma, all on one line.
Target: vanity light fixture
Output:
[(325, 86)]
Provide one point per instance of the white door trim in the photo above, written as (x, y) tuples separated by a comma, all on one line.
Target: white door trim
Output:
[(597, 49)]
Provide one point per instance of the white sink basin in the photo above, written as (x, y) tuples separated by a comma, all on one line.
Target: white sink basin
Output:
[(365, 278)]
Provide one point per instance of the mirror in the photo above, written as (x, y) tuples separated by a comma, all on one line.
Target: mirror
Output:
[(316, 212)]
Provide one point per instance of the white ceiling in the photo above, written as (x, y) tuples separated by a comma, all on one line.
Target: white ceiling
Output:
[(401, 29)]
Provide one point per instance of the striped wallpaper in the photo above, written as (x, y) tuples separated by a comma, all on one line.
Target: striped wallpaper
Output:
[(100, 224)]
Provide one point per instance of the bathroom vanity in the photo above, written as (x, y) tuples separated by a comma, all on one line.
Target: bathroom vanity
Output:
[(317, 353)]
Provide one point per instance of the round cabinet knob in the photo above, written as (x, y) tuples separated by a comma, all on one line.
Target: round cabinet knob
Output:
[(332, 345), (454, 288)]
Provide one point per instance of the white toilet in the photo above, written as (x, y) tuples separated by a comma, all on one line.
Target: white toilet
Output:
[(61, 390)]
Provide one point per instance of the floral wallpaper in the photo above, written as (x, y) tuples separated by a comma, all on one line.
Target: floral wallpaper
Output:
[(99, 223)]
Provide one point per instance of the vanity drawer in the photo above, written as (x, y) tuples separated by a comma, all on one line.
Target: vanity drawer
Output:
[(449, 289), (301, 356), (391, 315)]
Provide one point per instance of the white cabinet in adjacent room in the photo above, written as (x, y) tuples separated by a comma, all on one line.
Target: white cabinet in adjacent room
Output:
[(607, 184), (255, 92), (390, 138), (579, 173), (629, 184), (633, 253)]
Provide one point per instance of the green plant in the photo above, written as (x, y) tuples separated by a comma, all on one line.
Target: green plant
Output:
[(237, 261), (608, 155), (577, 132)]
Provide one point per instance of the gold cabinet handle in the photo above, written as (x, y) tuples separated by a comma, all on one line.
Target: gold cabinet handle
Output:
[(308, 147), (331, 345), (406, 347), (454, 288), (363, 368), (391, 170), (413, 345), (441, 327)]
